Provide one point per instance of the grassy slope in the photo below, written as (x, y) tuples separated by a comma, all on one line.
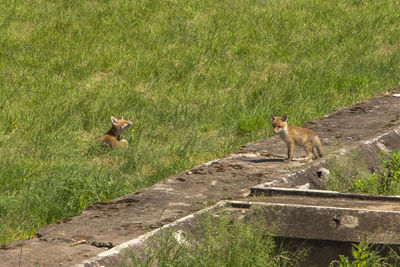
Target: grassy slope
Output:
[(198, 78)]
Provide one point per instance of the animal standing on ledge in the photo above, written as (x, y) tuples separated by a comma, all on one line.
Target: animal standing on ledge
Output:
[(113, 136), (300, 136)]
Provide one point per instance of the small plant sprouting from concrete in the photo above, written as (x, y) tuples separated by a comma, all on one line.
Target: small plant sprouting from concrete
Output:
[(363, 255), (345, 171), (217, 240), (385, 180), (352, 175)]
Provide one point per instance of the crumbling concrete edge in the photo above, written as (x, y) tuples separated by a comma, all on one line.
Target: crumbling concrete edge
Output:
[(115, 251), (278, 191), (248, 204)]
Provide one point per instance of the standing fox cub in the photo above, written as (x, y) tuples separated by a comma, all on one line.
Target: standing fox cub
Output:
[(300, 136), (113, 136)]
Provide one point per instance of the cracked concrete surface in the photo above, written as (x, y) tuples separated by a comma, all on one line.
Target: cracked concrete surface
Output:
[(368, 126)]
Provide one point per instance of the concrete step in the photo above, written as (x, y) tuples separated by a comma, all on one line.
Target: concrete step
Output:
[(327, 223)]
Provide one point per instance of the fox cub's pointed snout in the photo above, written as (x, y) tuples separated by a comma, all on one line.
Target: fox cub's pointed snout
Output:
[(279, 124)]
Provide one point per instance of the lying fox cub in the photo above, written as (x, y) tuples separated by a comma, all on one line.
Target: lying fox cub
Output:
[(113, 136), (300, 136)]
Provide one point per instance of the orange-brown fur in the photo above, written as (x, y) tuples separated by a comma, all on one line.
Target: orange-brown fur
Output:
[(113, 136), (300, 136)]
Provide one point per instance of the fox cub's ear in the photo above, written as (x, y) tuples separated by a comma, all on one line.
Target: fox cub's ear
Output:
[(284, 117), (113, 120), (273, 116)]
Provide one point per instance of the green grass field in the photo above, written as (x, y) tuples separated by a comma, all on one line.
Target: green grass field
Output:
[(197, 78)]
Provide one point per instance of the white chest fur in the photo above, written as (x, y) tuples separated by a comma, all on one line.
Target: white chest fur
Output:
[(284, 133)]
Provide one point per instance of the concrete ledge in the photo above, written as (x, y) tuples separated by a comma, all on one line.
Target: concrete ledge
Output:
[(332, 223), (275, 191), (295, 222), (118, 254)]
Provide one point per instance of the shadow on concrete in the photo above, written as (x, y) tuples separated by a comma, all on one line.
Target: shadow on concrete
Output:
[(264, 160)]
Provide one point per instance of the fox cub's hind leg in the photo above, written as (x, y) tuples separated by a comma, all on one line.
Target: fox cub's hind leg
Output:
[(315, 152), (318, 150), (308, 148)]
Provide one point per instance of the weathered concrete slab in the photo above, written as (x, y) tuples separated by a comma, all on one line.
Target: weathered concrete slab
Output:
[(366, 127), (330, 215), (335, 218)]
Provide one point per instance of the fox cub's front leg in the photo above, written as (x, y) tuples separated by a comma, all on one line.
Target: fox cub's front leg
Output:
[(290, 147)]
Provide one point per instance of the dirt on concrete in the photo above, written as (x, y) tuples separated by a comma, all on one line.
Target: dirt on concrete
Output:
[(368, 127)]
